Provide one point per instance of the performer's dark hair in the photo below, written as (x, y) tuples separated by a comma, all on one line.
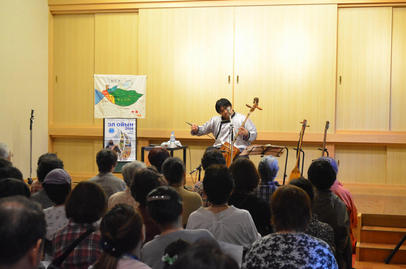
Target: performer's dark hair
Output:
[(218, 184), (106, 159), (173, 169), (22, 223), (223, 102)]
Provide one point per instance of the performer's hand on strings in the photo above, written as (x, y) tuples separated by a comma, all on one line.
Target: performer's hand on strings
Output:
[(242, 131)]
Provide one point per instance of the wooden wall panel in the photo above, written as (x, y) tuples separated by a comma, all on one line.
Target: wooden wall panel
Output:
[(398, 107), (78, 155), (363, 87), (396, 159), (73, 69), (187, 55), (362, 165), (116, 43), (285, 55)]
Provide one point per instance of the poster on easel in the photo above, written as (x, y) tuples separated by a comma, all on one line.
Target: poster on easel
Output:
[(119, 96), (120, 135)]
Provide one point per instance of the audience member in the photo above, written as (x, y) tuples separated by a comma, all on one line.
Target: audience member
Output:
[(85, 205), (315, 227), (164, 205), (44, 169), (346, 197), (5, 153), (145, 181), (202, 256), (210, 156), (12, 186), (227, 223), (46, 163), (246, 179), (22, 229), (268, 170), (173, 251), (11, 172), (175, 172), (330, 209), (122, 237), (124, 197), (57, 185), (106, 162), (5, 163), (157, 156), (290, 247)]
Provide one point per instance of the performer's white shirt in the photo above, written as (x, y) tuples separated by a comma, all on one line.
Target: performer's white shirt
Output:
[(222, 132)]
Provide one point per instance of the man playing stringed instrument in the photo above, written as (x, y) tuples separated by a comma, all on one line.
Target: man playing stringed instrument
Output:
[(219, 126)]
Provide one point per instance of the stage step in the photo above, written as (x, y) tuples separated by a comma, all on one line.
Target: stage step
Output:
[(374, 252), (381, 234), (377, 265)]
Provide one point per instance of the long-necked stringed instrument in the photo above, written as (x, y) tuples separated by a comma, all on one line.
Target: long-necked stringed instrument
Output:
[(229, 150), (323, 149), (296, 172)]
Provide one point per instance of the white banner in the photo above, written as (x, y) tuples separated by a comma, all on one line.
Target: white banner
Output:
[(119, 96)]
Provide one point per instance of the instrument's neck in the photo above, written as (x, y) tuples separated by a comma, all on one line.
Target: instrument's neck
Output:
[(242, 125)]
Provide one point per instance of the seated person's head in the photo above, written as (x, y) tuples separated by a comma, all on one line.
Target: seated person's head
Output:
[(106, 160), (173, 251), (10, 172), (22, 230), (332, 161), (12, 187), (268, 168), (205, 254), (46, 163), (145, 180), (57, 185), (157, 156), (212, 156), (164, 205), (174, 170), (121, 232), (321, 174), (245, 175), (128, 171), (218, 184), (291, 209), (5, 153), (5, 163), (86, 203), (305, 185)]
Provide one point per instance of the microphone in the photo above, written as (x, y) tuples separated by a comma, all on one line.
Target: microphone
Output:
[(229, 109), (197, 168), (31, 118)]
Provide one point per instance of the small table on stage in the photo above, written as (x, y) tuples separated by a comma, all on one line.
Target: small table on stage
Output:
[(171, 150)]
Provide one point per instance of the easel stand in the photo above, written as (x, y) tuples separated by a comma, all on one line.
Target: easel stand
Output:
[(268, 149)]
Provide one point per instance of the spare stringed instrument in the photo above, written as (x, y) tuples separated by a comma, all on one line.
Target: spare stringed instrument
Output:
[(323, 149), (296, 172), (229, 150)]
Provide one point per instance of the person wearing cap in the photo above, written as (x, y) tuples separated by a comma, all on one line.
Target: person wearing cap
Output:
[(57, 185)]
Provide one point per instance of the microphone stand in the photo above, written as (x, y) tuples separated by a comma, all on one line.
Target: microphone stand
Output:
[(31, 122)]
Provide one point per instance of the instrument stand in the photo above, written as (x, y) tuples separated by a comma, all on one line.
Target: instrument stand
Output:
[(326, 151), (303, 157), (29, 181), (268, 149), (231, 139), (389, 258)]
